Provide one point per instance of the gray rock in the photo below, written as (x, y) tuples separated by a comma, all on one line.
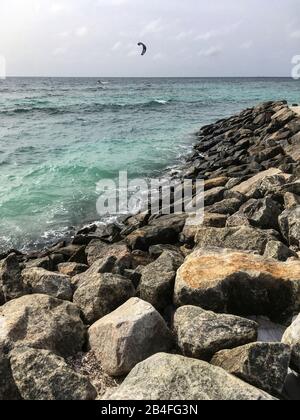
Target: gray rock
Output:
[(128, 336), (171, 378), (278, 251), (291, 200), (42, 322), (224, 280), (45, 282), (98, 250), (289, 222), (201, 334), (292, 338), (157, 282), (101, 266), (101, 294), (248, 188), (263, 365), (42, 375), (11, 284), (242, 238)]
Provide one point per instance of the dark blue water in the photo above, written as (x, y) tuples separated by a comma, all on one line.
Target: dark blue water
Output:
[(59, 137)]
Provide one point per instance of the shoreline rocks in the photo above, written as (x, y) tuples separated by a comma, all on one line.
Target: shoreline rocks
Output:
[(179, 283)]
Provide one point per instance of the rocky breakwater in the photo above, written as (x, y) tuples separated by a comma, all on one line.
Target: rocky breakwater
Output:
[(161, 308)]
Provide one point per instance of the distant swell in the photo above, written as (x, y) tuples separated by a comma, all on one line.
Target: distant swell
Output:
[(87, 108)]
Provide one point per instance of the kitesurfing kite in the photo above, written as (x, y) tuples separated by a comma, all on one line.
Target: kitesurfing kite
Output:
[(141, 44)]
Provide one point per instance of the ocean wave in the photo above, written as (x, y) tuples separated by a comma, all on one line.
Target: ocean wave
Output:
[(87, 108)]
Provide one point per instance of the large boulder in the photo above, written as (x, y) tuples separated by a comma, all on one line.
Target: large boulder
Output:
[(289, 222), (157, 282), (244, 238), (42, 375), (172, 377), (128, 336), (264, 365), (193, 223), (240, 283), (292, 338), (101, 294), (248, 187), (201, 334), (42, 322), (39, 280), (11, 284), (164, 230)]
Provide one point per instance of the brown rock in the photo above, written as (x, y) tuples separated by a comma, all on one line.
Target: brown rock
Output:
[(239, 283)]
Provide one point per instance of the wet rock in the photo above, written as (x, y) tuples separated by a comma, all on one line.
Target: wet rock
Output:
[(243, 238), (11, 284), (263, 365), (42, 322), (292, 338), (129, 335), (201, 334), (239, 283), (101, 294), (278, 251), (46, 282), (157, 281), (42, 375), (154, 380)]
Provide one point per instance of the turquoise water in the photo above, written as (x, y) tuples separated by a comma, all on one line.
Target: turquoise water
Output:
[(59, 137)]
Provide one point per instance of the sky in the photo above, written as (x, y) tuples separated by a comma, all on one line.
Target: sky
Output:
[(205, 38)]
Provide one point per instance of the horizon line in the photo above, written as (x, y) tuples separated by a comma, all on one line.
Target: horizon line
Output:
[(151, 77)]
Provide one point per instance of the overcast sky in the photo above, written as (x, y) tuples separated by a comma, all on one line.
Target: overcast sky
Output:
[(185, 38)]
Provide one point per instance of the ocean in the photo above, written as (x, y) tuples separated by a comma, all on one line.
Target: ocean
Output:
[(60, 136)]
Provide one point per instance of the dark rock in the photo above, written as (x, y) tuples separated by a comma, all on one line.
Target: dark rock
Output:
[(201, 334), (101, 294), (11, 284), (278, 251), (165, 230), (263, 365), (289, 222), (157, 282), (228, 206)]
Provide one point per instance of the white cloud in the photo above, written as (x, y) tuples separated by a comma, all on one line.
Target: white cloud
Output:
[(210, 52), (82, 31), (183, 35), (57, 8), (226, 30)]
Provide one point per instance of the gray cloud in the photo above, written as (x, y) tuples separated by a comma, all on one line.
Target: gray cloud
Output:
[(191, 38)]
